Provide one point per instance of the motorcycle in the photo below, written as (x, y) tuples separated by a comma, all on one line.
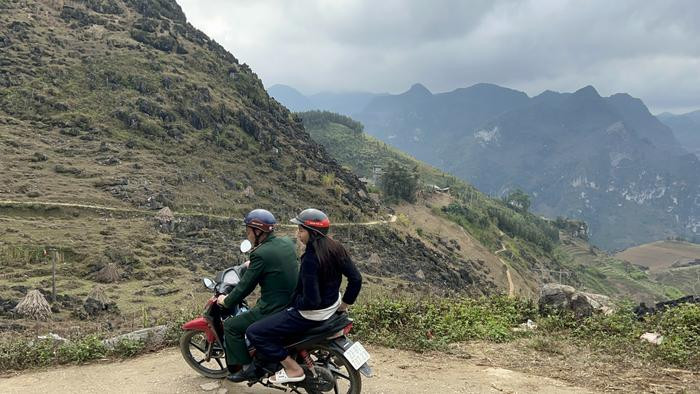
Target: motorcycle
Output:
[(331, 361)]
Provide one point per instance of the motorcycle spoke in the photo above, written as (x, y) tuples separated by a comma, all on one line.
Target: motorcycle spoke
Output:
[(346, 377), (219, 362), (201, 361), (198, 348)]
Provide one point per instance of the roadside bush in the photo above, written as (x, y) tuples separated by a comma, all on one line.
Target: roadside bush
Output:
[(681, 330), (81, 350), (619, 333), (128, 348), (434, 323)]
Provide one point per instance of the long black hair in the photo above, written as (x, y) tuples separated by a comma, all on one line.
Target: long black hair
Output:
[(330, 253)]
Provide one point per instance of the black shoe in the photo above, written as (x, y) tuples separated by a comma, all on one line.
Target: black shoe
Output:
[(251, 372)]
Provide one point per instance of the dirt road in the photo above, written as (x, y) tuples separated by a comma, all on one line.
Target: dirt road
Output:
[(395, 372)]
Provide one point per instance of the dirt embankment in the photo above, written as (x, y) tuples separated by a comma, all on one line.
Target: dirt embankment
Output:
[(395, 372)]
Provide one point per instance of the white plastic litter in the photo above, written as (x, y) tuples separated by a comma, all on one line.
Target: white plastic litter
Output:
[(652, 337)]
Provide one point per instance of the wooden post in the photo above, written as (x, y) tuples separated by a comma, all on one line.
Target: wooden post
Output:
[(53, 277)]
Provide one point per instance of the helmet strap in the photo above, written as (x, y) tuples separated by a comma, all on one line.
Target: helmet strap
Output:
[(259, 236)]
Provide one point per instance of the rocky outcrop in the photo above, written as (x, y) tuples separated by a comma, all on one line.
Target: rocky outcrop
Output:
[(557, 298), (152, 336), (97, 303)]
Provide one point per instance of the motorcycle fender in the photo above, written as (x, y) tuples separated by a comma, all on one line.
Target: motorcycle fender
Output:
[(342, 344), (200, 324)]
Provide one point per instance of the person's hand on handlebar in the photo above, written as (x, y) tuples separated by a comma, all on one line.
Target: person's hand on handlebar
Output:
[(220, 299)]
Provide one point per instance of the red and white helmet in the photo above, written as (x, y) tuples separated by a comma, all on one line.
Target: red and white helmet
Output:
[(313, 219)]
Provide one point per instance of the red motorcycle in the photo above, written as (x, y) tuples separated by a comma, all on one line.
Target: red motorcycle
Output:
[(331, 361)]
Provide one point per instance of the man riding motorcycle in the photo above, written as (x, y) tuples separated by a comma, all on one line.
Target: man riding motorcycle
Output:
[(273, 265)]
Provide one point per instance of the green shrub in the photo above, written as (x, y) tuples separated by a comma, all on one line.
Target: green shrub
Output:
[(619, 333), (328, 180), (18, 354), (681, 330), (81, 350), (434, 323), (128, 348)]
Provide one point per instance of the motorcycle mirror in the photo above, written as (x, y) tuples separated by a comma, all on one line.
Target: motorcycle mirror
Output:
[(208, 283), (246, 246)]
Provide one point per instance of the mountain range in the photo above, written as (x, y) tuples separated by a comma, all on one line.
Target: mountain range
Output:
[(686, 128), (605, 160), (347, 103)]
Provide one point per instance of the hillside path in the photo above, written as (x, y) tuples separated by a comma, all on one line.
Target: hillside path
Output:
[(511, 287), (394, 372), (392, 218)]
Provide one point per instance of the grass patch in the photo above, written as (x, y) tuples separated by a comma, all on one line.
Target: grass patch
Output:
[(18, 353), (432, 324)]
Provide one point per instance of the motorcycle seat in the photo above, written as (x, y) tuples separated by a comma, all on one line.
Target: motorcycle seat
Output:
[(336, 323)]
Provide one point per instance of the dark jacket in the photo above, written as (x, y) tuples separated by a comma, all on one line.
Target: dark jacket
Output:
[(314, 292), (274, 266)]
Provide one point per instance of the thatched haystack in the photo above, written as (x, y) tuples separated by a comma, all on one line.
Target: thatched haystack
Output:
[(98, 294), (34, 306), (166, 220), (108, 274), (165, 215), (96, 303)]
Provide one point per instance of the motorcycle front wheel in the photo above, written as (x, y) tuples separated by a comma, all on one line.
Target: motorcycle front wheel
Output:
[(347, 380), (194, 348)]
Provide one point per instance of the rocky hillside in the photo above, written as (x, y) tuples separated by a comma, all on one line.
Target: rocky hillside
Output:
[(129, 104), (113, 110)]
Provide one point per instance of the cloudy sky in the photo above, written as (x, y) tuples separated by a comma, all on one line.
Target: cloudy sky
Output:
[(650, 49)]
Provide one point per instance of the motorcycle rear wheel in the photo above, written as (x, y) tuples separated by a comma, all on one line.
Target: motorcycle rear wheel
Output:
[(193, 346), (347, 378)]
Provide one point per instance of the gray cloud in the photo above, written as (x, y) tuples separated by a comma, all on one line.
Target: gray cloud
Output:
[(648, 49)]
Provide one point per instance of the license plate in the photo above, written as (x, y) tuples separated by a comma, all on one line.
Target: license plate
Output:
[(357, 355)]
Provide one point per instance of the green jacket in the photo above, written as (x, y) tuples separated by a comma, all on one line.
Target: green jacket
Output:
[(274, 266)]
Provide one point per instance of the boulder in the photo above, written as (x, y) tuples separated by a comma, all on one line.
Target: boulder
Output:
[(153, 336), (555, 297)]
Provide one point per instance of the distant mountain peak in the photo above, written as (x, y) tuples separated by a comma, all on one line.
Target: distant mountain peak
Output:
[(418, 89), (587, 91), (283, 87)]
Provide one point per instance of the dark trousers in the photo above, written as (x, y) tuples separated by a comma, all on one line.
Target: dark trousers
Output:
[(268, 334), (234, 334)]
